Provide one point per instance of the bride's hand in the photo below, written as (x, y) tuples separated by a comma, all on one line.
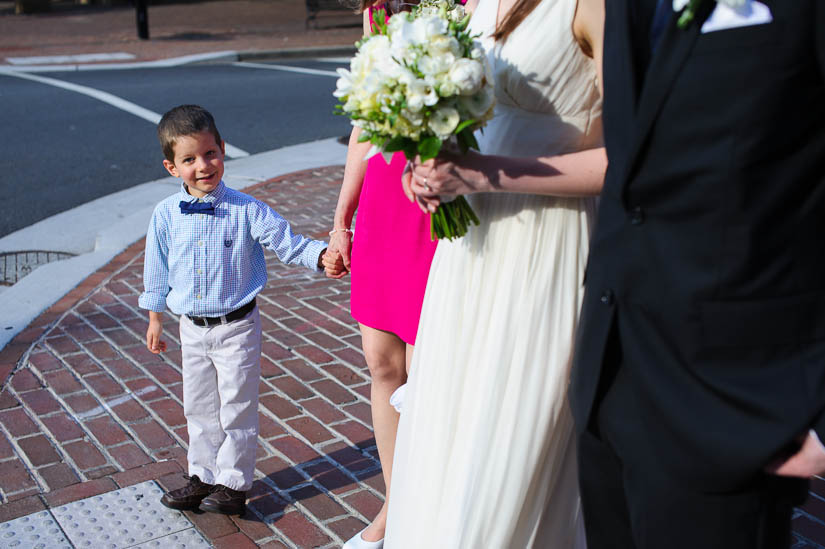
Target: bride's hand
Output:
[(447, 175)]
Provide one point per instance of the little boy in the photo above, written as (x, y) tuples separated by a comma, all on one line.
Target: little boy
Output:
[(204, 259)]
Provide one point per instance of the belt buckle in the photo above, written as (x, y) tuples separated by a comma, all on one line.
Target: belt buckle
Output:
[(198, 321)]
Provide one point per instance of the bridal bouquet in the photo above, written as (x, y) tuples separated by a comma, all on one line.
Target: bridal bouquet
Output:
[(420, 82)]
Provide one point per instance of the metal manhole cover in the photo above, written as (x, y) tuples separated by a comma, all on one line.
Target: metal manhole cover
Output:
[(16, 265)]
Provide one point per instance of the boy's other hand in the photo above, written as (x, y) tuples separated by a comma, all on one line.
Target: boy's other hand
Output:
[(153, 341)]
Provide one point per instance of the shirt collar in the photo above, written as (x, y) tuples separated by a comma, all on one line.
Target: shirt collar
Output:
[(214, 197)]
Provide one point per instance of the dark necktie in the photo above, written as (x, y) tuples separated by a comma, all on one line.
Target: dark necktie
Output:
[(197, 207), (657, 26)]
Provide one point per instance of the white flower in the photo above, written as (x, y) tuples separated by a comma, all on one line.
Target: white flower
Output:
[(445, 44), (467, 75), (679, 5), (427, 28), (479, 105), (414, 118), (343, 86), (443, 121), (419, 94), (432, 65)]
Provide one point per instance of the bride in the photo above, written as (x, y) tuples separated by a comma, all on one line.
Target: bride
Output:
[(485, 453)]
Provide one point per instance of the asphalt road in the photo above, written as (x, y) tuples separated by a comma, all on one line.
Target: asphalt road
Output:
[(64, 147)]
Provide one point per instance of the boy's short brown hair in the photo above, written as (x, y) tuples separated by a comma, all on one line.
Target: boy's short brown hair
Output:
[(184, 120)]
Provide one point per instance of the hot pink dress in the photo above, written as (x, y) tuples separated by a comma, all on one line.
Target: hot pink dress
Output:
[(391, 252)]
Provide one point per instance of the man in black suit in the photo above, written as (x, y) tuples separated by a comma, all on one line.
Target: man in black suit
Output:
[(699, 380)]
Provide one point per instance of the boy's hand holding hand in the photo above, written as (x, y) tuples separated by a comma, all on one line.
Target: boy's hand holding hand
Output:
[(153, 341), (334, 264)]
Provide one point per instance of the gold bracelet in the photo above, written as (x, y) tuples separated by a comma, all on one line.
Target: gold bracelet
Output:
[(342, 230)]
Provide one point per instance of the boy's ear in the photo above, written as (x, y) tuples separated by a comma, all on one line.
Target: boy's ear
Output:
[(223, 147), (170, 167)]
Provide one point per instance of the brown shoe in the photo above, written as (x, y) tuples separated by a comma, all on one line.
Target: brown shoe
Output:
[(225, 501), (188, 497)]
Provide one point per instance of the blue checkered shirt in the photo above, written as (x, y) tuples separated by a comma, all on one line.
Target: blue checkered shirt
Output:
[(209, 265)]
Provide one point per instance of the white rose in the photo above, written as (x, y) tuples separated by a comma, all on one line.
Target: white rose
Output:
[(457, 13), (467, 75), (427, 28), (447, 89), (436, 64), (443, 121), (444, 44), (478, 104)]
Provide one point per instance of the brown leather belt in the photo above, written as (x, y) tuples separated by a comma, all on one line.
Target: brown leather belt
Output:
[(238, 313)]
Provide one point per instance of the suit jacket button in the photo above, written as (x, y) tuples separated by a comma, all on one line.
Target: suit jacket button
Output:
[(637, 216), (607, 298)]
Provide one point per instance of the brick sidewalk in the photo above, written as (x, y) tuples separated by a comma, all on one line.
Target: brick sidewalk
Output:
[(88, 409)]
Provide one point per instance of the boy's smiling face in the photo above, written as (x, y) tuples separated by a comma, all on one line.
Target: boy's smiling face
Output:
[(198, 162)]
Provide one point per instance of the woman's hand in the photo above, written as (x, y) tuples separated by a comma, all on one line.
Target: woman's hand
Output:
[(447, 175), (340, 247)]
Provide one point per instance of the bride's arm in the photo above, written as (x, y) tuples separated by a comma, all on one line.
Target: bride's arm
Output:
[(588, 29), (575, 174)]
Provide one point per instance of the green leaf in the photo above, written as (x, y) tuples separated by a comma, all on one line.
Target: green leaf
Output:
[(429, 147), (467, 139), (466, 123), (410, 150), (397, 143)]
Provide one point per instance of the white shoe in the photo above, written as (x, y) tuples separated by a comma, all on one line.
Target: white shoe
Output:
[(397, 398), (357, 542)]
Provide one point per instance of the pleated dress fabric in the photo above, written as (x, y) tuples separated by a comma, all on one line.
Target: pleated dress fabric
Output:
[(485, 453)]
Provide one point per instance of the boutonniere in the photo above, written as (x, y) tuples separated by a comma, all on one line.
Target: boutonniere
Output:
[(690, 7)]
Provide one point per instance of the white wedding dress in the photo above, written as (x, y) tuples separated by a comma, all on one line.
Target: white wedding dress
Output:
[(485, 455)]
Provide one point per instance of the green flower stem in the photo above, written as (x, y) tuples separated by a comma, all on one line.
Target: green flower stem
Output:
[(452, 219)]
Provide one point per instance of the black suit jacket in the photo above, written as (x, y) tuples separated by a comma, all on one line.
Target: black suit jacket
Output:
[(708, 258)]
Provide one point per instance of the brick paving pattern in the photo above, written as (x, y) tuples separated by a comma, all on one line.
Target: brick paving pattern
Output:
[(88, 409)]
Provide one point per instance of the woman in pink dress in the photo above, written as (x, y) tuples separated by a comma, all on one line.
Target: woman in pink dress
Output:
[(388, 258)]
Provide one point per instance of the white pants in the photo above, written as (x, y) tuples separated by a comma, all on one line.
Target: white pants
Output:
[(221, 372)]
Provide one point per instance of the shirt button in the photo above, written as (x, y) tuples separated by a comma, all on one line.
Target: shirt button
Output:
[(607, 298), (637, 216), (200, 271), (199, 296)]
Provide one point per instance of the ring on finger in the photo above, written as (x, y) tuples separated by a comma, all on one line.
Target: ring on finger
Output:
[(426, 186)]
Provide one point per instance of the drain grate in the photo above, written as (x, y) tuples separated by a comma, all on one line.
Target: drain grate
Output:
[(16, 265)]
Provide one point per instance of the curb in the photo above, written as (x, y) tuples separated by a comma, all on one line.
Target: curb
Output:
[(292, 53), (229, 56)]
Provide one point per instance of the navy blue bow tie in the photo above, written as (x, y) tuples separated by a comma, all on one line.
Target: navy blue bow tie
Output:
[(197, 207)]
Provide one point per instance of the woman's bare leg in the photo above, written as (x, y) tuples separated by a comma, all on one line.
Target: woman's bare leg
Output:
[(386, 355)]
